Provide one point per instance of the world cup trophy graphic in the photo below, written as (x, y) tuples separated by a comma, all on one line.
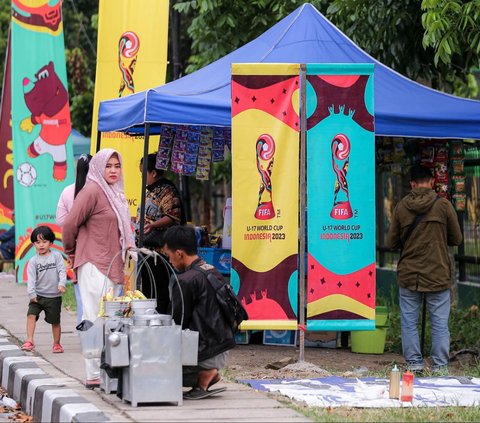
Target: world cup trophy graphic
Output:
[(340, 158), (128, 47), (265, 149)]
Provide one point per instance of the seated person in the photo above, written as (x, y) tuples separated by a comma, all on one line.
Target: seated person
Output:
[(201, 311)]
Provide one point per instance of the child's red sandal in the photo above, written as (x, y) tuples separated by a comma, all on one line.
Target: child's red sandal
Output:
[(57, 348), (28, 346)]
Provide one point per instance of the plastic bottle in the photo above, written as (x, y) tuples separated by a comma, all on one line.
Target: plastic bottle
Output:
[(394, 389), (8, 402), (407, 387)]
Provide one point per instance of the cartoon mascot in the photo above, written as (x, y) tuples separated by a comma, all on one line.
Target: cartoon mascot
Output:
[(47, 100)]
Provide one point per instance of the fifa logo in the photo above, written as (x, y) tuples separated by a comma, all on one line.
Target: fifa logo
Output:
[(265, 150), (340, 160), (128, 47)]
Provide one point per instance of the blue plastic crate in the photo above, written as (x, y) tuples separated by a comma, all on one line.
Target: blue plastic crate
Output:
[(280, 337), (218, 257), (242, 337)]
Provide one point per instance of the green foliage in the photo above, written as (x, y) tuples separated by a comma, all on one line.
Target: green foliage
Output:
[(435, 41), (390, 31), (464, 328), (222, 171), (80, 33), (218, 27), (80, 88), (68, 300), (452, 29), (464, 324), (400, 414), (81, 107)]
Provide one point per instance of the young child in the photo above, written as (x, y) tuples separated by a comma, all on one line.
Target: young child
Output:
[(46, 284)]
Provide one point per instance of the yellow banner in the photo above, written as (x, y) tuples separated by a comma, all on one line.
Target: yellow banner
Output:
[(131, 57), (265, 151)]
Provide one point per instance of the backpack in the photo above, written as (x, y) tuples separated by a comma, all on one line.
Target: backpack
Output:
[(231, 308)]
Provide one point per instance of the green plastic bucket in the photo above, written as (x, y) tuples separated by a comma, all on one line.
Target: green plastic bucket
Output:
[(371, 341)]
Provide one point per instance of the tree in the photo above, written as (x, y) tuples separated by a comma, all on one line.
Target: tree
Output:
[(220, 26), (80, 33), (452, 29), (391, 31)]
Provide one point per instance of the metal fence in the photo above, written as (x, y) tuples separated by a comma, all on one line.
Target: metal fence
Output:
[(392, 184)]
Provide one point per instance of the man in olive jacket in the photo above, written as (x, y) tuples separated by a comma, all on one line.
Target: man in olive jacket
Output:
[(422, 227)]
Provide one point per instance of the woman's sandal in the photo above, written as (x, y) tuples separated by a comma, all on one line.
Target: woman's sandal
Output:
[(28, 346)]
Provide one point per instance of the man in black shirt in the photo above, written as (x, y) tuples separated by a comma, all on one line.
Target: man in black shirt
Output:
[(201, 311)]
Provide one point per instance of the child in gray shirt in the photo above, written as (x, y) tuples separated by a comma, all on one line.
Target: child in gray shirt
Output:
[(46, 284)]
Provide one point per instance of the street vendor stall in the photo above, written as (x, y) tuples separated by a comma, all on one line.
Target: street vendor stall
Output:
[(201, 102), (403, 108)]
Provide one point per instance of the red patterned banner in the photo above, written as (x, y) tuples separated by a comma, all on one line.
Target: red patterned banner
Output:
[(265, 151), (6, 147), (340, 197)]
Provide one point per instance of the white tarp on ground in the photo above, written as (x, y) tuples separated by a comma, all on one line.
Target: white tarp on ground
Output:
[(373, 393)]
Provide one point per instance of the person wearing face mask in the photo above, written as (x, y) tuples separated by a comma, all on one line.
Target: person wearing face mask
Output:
[(96, 236)]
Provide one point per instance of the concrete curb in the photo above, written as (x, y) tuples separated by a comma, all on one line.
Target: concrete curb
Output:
[(45, 398)]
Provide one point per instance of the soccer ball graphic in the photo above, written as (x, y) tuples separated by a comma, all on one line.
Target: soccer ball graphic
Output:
[(26, 174)]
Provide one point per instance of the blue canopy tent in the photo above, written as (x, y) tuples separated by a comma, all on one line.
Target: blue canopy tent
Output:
[(81, 144), (402, 106)]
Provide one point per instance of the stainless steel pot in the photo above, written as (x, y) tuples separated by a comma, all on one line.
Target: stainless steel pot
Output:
[(116, 349), (152, 320)]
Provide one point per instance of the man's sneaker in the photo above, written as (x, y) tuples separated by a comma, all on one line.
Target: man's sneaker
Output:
[(440, 371), (415, 368)]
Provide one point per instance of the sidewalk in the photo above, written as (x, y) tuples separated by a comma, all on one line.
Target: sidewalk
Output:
[(50, 386)]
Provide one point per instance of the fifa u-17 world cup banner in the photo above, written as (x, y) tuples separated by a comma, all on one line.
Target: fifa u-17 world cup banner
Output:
[(42, 150), (6, 146), (131, 57), (340, 197), (265, 151)]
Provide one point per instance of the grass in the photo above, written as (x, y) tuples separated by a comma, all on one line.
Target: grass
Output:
[(400, 414), (463, 321), (69, 301), (407, 414)]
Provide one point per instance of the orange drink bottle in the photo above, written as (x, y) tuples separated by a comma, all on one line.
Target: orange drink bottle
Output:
[(407, 387)]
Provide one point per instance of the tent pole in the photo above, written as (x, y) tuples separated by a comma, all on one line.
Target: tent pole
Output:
[(175, 40), (302, 216), (186, 197), (99, 141), (144, 184)]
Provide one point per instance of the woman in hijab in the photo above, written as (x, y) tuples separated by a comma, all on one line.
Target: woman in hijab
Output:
[(96, 236)]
